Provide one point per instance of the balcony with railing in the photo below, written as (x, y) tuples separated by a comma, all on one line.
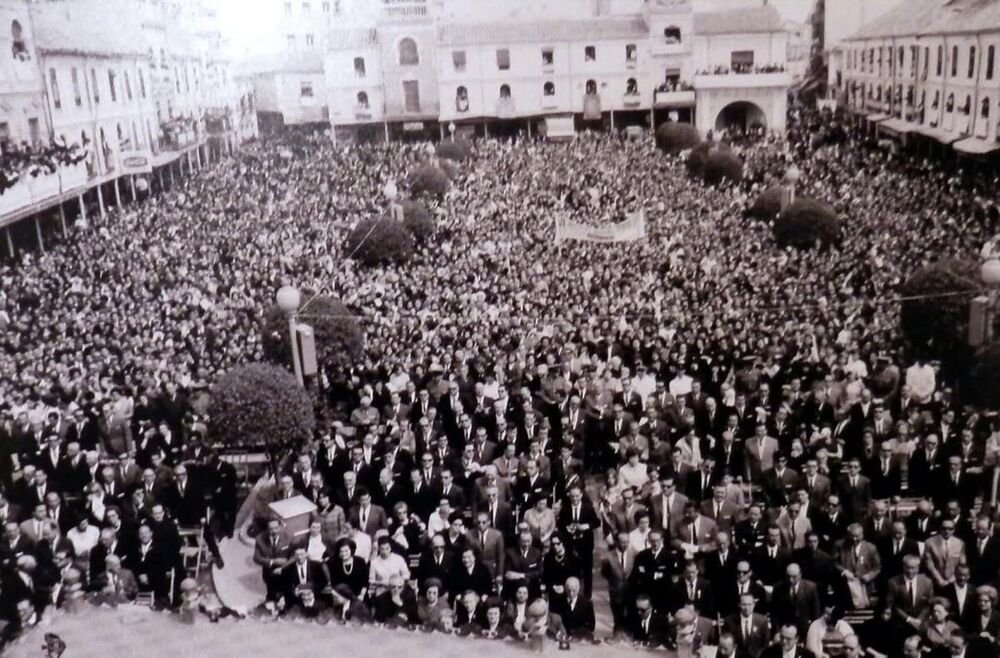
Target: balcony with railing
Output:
[(30, 178), (673, 94), (726, 77)]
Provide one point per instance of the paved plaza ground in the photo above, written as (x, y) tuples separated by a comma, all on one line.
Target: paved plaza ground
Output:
[(131, 631)]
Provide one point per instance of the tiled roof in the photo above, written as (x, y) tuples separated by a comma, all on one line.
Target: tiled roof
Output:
[(466, 34), (106, 28), (747, 20), (359, 39), (925, 17)]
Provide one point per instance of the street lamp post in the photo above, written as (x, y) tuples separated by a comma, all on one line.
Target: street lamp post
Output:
[(789, 182), (391, 194), (288, 299), (982, 311), (451, 130)]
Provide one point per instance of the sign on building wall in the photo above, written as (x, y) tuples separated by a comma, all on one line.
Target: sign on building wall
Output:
[(139, 162)]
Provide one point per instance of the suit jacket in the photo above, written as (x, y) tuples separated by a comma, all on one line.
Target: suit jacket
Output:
[(377, 520), (864, 561), (728, 518), (702, 600), (755, 463), (892, 561), (819, 491), (897, 597), (529, 565), (986, 564), (855, 500), (265, 552), (578, 621), (941, 560), (704, 538), (654, 631), (770, 570), (675, 513), (758, 638), (125, 587), (800, 609), (964, 612), (492, 552), (614, 573)]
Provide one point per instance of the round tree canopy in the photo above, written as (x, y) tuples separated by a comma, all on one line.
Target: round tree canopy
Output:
[(768, 204), (697, 157), (382, 241), (938, 326), (673, 137), (460, 150), (338, 335), (723, 165), (417, 219), (805, 222), (260, 404), (428, 179)]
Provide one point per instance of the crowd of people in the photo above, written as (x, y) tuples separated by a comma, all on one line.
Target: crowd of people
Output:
[(722, 431)]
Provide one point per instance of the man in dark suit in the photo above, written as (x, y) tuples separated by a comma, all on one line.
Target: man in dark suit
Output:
[(616, 568), (152, 564), (271, 554), (470, 574), (817, 484), (576, 611), (750, 629), (788, 645), (652, 571), (368, 517), (770, 559), (743, 582), (983, 553), (855, 491), (301, 574), (909, 594), (499, 512), (649, 627), (436, 562), (577, 522), (925, 464), (884, 473), (693, 590), (894, 548), (920, 525), (962, 597), (795, 602), (954, 484), (523, 564)]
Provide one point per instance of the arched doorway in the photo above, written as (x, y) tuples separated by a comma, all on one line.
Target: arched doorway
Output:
[(741, 115)]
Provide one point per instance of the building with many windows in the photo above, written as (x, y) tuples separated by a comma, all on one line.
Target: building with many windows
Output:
[(842, 19), (929, 70), (94, 92), (22, 106), (421, 66)]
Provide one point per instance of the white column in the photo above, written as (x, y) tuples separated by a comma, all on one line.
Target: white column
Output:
[(118, 194), (83, 206), (62, 218), (100, 200), (38, 234), (10, 242)]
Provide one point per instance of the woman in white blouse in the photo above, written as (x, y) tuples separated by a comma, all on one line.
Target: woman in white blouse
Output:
[(384, 566)]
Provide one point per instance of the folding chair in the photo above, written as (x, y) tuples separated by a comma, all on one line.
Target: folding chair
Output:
[(193, 547)]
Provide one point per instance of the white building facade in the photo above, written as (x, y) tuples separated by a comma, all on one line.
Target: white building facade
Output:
[(425, 65), (929, 69)]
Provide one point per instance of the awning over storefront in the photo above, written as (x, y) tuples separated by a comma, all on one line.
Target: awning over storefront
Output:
[(897, 126), (976, 146), (560, 128), (875, 118), (946, 137)]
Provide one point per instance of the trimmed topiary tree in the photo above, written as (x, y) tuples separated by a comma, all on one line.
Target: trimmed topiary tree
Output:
[(722, 165), (768, 204), (938, 327), (696, 159), (460, 150), (673, 137), (428, 179), (379, 242), (806, 222), (417, 219), (339, 339), (260, 404)]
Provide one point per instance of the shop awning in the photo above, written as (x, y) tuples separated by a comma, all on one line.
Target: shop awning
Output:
[(875, 118), (946, 137), (897, 126), (976, 146)]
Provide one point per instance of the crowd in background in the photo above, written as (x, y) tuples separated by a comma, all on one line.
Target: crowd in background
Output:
[(718, 428)]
